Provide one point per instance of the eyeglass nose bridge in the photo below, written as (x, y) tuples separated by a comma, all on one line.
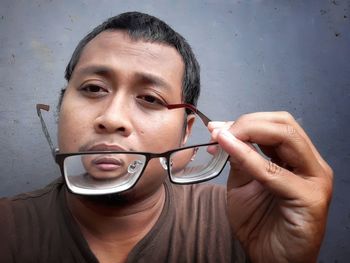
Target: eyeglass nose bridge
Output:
[(135, 166), (163, 162)]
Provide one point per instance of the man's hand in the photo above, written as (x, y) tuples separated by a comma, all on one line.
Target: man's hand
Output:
[(278, 207)]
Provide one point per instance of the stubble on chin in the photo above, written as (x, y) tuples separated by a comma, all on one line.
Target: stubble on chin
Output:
[(111, 200)]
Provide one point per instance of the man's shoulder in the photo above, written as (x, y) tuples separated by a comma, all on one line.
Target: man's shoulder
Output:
[(37, 227), (23, 215), (34, 198)]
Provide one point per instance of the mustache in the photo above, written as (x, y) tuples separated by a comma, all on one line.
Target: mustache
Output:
[(102, 145), (110, 200)]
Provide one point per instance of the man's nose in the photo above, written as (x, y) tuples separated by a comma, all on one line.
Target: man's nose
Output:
[(114, 117)]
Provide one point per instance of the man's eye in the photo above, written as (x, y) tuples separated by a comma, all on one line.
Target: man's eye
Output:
[(93, 90), (149, 99)]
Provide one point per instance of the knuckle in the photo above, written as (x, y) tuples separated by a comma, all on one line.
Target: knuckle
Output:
[(324, 185), (288, 117), (272, 168), (324, 169), (292, 133), (326, 190), (329, 190), (321, 195), (328, 171)]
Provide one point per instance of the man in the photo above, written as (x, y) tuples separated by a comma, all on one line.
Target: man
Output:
[(119, 77)]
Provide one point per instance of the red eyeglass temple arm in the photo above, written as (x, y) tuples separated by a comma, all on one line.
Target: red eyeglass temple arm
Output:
[(201, 115), (45, 107)]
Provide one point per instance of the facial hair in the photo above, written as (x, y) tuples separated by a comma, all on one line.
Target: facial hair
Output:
[(111, 200)]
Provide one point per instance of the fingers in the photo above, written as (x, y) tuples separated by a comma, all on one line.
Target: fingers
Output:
[(219, 125), (279, 136), (250, 165), (287, 118), (289, 146), (294, 163)]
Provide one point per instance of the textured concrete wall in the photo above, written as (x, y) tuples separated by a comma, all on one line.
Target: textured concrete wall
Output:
[(255, 56)]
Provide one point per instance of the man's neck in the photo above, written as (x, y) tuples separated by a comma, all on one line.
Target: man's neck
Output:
[(112, 230)]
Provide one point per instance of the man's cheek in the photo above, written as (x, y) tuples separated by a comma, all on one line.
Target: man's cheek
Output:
[(154, 140), (70, 135)]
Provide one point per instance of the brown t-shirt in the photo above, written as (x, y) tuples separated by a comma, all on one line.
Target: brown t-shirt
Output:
[(193, 227)]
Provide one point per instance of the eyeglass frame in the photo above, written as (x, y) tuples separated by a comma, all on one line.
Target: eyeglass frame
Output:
[(60, 157)]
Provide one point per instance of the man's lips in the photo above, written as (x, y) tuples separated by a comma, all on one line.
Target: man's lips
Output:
[(108, 163)]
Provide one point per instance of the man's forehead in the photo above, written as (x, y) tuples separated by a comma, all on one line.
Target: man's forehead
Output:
[(115, 48), (120, 43)]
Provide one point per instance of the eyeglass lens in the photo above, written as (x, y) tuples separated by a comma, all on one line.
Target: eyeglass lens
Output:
[(197, 164), (93, 173), (116, 172)]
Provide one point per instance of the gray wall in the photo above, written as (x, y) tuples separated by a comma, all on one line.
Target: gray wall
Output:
[(255, 56)]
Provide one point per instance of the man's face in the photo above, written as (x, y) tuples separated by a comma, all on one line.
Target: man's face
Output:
[(115, 97)]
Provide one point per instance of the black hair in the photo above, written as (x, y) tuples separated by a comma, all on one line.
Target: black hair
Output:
[(140, 26)]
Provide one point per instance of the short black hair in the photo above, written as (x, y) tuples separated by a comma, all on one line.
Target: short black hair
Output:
[(140, 26)]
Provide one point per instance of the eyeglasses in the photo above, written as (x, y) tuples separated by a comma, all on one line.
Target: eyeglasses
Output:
[(106, 172)]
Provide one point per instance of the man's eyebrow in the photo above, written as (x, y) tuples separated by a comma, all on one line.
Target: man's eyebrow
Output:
[(152, 79), (94, 69)]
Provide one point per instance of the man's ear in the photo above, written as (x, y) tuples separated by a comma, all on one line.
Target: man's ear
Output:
[(189, 124)]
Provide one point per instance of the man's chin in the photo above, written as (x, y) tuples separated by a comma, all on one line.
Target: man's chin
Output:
[(138, 193), (117, 199)]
